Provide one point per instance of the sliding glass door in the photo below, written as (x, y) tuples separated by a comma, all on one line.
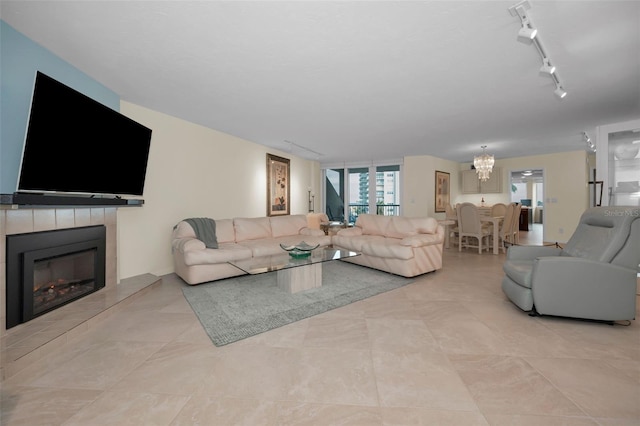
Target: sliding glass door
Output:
[(380, 195)]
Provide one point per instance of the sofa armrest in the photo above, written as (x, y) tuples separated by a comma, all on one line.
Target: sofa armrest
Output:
[(184, 245), (421, 240), (583, 288), (531, 252), (312, 232), (350, 232)]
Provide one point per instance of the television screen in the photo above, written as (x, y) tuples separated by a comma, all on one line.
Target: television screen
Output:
[(75, 144)]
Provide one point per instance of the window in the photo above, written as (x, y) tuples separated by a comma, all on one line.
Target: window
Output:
[(334, 194)]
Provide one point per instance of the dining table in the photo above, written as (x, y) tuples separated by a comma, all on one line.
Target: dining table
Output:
[(495, 221), (449, 222)]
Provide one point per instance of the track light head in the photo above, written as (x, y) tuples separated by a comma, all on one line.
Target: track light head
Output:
[(560, 92), (527, 32), (547, 67)]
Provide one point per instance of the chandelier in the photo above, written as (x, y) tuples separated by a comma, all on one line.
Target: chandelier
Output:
[(483, 164)]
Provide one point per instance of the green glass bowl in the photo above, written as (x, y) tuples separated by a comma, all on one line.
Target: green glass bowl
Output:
[(299, 254)]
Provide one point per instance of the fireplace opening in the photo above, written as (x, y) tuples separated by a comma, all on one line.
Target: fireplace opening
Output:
[(58, 280), (46, 270)]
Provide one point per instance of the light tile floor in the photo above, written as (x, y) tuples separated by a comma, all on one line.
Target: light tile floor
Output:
[(448, 349)]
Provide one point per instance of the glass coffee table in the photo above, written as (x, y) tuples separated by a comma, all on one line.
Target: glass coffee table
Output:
[(294, 274)]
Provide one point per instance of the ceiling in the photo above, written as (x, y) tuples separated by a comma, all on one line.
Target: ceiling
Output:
[(356, 81)]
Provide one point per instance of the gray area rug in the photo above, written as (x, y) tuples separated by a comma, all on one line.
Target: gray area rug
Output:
[(236, 308)]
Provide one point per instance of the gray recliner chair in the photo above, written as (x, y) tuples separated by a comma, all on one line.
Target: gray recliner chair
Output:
[(593, 277)]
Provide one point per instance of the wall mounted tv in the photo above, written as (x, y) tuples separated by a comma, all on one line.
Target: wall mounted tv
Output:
[(76, 145)]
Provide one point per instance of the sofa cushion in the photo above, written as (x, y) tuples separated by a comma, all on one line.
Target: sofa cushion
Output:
[(387, 248), (271, 246), (354, 243), (282, 226), (252, 228), (225, 231), (373, 224), (259, 248), (421, 240), (225, 253), (425, 225), (400, 227), (350, 232), (312, 232)]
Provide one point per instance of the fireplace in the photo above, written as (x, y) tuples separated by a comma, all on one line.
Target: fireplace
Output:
[(49, 269)]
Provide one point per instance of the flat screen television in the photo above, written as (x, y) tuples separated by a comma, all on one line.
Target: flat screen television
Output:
[(76, 145)]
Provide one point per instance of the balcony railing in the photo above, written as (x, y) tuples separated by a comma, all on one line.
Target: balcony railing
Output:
[(381, 209)]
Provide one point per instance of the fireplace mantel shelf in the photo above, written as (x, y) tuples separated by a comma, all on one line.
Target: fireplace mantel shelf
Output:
[(21, 201)]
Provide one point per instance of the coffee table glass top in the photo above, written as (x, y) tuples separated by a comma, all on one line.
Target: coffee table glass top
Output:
[(278, 262)]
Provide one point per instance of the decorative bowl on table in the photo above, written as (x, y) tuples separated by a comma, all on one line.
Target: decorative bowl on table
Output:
[(300, 250)]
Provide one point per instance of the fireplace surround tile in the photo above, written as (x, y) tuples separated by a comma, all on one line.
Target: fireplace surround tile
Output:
[(110, 216), (65, 218), (97, 216), (44, 220), (82, 217), (19, 221)]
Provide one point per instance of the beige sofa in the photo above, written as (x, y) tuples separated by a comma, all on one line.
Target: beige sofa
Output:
[(399, 245), (238, 238)]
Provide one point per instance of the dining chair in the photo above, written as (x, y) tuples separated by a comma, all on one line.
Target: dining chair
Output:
[(451, 214), (506, 227), (515, 225), (470, 228), (498, 209)]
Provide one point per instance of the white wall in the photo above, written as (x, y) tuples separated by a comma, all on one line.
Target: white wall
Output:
[(194, 171)]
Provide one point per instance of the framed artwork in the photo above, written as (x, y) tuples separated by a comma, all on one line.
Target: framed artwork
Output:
[(443, 195), (278, 185)]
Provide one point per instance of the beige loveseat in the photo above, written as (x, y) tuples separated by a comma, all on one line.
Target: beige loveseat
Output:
[(238, 238), (399, 245)]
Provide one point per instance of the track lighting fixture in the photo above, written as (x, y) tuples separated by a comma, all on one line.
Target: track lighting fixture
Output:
[(588, 141), (529, 32)]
